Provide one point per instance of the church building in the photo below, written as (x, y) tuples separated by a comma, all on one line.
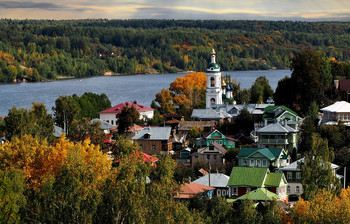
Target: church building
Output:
[(214, 90)]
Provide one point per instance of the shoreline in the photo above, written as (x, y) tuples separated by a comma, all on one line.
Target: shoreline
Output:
[(62, 77)]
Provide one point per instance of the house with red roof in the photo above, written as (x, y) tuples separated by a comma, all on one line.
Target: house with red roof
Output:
[(145, 157), (190, 190), (110, 115)]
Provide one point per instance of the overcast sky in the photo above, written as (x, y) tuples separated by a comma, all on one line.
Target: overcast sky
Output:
[(338, 10)]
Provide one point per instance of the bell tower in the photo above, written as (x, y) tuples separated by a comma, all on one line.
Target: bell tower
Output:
[(213, 91)]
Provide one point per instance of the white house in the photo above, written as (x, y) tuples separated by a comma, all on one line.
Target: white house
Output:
[(110, 115), (337, 112)]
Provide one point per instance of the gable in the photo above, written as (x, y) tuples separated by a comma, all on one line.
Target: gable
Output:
[(257, 155), (275, 180), (215, 134), (247, 177)]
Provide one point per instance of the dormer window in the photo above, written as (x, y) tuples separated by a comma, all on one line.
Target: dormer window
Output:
[(147, 136)]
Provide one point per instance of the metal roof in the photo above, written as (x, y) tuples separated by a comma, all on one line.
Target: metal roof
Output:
[(277, 128), (338, 107), (156, 133), (216, 180)]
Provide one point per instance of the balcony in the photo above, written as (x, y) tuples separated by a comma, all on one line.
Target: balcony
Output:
[(273, 141)]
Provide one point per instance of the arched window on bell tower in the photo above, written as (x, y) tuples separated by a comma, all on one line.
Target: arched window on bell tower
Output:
[(212, 101), (212, 82)]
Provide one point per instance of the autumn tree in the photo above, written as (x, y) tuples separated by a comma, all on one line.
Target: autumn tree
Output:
[(65, 111), (316, 169), (325, 207), (127, 118), (185, 93)]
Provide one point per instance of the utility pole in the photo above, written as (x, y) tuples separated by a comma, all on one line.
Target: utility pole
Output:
[(344, 177)]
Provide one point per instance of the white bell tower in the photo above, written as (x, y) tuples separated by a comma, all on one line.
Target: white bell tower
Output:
[(213, 91)]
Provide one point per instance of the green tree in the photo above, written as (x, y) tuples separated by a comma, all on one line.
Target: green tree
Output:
[(36, 122), (83, 129), (311, 76), (260, 90), (65, 111), (127, 118), (316, 169), (11, 195)]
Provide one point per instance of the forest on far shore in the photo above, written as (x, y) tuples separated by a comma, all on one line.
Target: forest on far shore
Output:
[(39, 50)]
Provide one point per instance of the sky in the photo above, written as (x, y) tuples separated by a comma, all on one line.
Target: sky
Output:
[(300, 10)]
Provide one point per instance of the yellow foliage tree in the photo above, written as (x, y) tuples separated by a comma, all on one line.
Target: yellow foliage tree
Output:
[(325, 207), (185, 93), (38, 160)]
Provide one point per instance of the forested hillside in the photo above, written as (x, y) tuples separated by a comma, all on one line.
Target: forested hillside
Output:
[(46, 49)]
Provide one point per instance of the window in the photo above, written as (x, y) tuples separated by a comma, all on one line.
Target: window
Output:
[(288, 189), (153, 147), (212, 101), (264, 163), (219, 192), (220, 142), (234, 191), (212, 82), (252, 162), (112, 121), (244, 162), (107, 121), (297, 189), (223, 192), (289, 175), (258, 163), (208, 157), (298, 175)]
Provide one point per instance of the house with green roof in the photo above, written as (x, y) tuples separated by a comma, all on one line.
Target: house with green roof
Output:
[(263, 157), (246, 179), (279, 129), (216, 136), (273, 114)]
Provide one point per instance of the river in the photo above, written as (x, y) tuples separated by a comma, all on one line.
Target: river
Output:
[(141, 88)]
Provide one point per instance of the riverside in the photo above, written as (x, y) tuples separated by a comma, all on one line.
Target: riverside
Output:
[(141, 88)]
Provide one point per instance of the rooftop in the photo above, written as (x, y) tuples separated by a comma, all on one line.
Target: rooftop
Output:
[(156, 133), (338, 107), (118, 108), (216, 180)]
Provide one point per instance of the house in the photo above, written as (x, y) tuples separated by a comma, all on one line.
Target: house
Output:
[(273, 114), (218, 137), (335, 113), (258, 195), (190, 190), (279, 135), (186, 126), (131, 131), (262, 157), (216, 180), (227, 112), (213, 154), (246, 179), (154, 140), (293, 174), (110, 115), (105, 126), (145, 157)]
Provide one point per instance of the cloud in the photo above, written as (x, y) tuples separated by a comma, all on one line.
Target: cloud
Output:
[(29, 5), (178, 9)]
